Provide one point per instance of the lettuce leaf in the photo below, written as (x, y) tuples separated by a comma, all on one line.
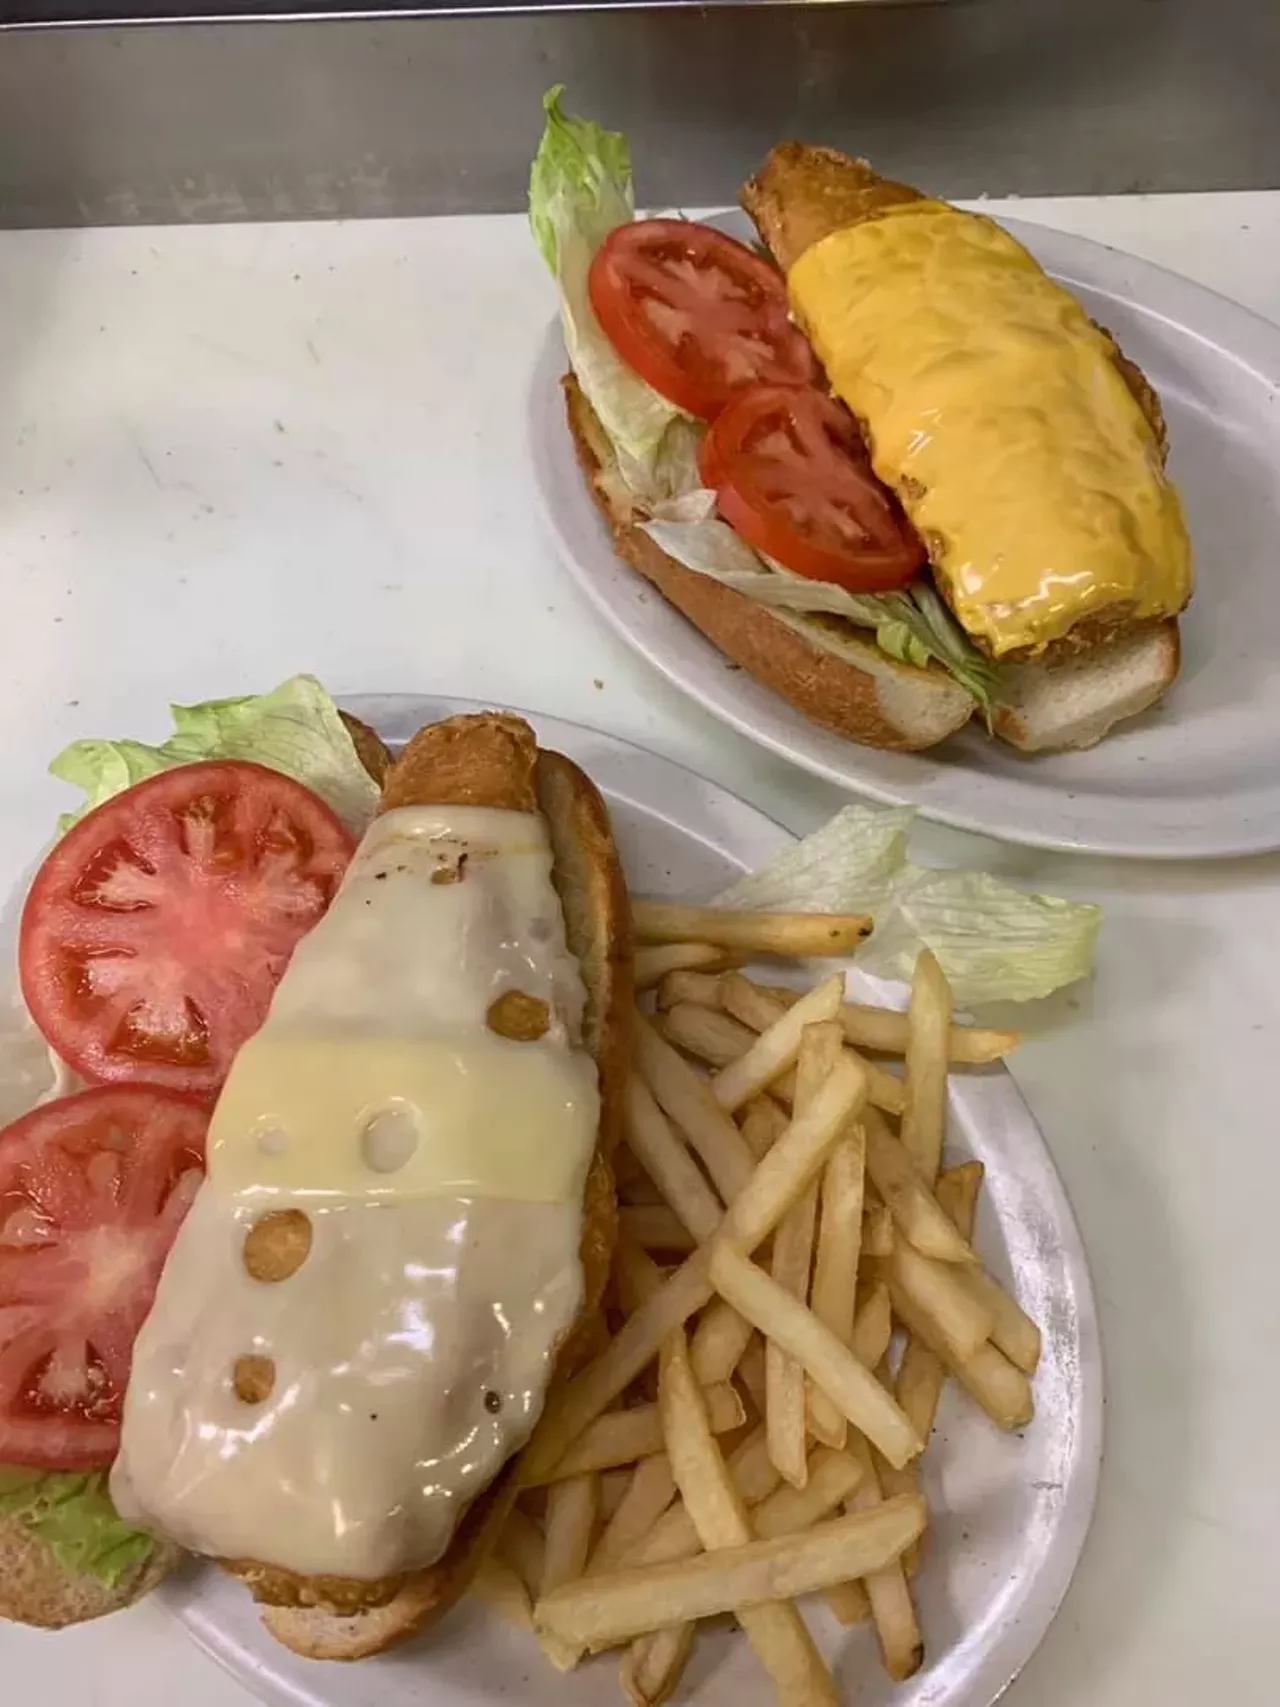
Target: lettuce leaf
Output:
[(994, 942), (74, 1517), (913, 626), (295, 729), (580, 190)]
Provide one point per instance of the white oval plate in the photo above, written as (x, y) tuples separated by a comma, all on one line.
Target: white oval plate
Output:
[(1196, 777), (1010, 1511)]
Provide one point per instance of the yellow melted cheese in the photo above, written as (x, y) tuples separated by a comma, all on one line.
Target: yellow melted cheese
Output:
[(996, 411), (441, 1168)]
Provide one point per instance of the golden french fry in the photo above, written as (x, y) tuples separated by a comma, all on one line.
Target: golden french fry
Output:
[(776, 1632), (649, 1493), (877, 1231), (523, 1547), (667, 1161), (762, 1123), (681, 988), (986, 1374), (498, 1586), (654, 1227), (613, 1486), (719, 1340), (673, 1536), (935, 1290), (1012, 1330), (652, 1666), (885, 1030), (849, 1601), (786, 1412), (757, 1009), (599, 1612), (835, 1266), (776, 1184), (848, 1383), (571, 1517), (653, 963), (777, 1047), (908, 1197), (750, 1374), (707, 1034), (688, 1100), (924, 1113), (873, 1327), (622, 1437), (801, 935), (892, 1612)]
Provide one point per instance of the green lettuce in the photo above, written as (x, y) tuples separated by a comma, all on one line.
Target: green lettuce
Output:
[(74, 1517), (579, 191), (914, 626), (295, 729), (994, 942)]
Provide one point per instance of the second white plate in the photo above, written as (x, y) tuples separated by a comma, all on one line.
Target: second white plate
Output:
[(1197, 777), (1010, 1512)]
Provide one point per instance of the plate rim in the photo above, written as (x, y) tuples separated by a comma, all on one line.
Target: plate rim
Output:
[(1245, 338), (251, 1666)]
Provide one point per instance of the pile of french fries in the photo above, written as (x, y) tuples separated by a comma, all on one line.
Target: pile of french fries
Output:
[(794, 1282)]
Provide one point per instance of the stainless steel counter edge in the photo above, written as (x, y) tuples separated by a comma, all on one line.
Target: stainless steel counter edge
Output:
[(324, 116)]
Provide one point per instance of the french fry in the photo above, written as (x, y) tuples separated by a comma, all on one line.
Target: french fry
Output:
[(689, 988), (762, 1123), (908, 1197), (667, 1161), (835, 1266), (892, 1612), (658, 960), (877, 1231), (654, 1227), (523, 1547), (688, 1100), (673, 1536), (571, 1517), (924, 1113), (649, 1493), (613, 1485), (651, 1667), (935, 1291), (757, 1009), (777, 1183), (623, 1437), (750, 1373), (785, 1407), (776, 1631), (885, 1030), (833, 1367), (849, 1600), (719, 1341), (777, 1047), (986, 1374), (599, 1612), (800, 935), (707, 1034), (499, 1587), (873, 1328)]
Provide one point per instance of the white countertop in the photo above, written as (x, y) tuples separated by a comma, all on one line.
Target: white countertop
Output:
[(235, 452)]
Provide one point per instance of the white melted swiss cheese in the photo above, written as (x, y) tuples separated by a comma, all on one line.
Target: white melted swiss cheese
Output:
[(441, 1167)]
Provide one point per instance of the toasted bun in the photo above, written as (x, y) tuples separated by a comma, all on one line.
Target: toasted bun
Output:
[(1074, 699), (493, 759), (825, 668), (36, 1589)]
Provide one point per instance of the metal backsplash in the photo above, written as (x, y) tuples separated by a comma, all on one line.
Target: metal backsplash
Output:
[(318, 115)]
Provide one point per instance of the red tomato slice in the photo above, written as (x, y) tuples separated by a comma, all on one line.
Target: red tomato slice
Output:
[(93, 1189), (159, 926), (791, 475), (695, 313)]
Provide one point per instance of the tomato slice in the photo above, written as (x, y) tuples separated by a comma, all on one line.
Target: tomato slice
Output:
[(695, 313), (792, 476), (93, 1189), (159, 926)]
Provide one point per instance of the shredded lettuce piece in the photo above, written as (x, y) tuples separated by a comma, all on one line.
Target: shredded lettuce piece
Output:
[(295, 729), (994, 942), (74, 1517), (912, 626), (580, 190)]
